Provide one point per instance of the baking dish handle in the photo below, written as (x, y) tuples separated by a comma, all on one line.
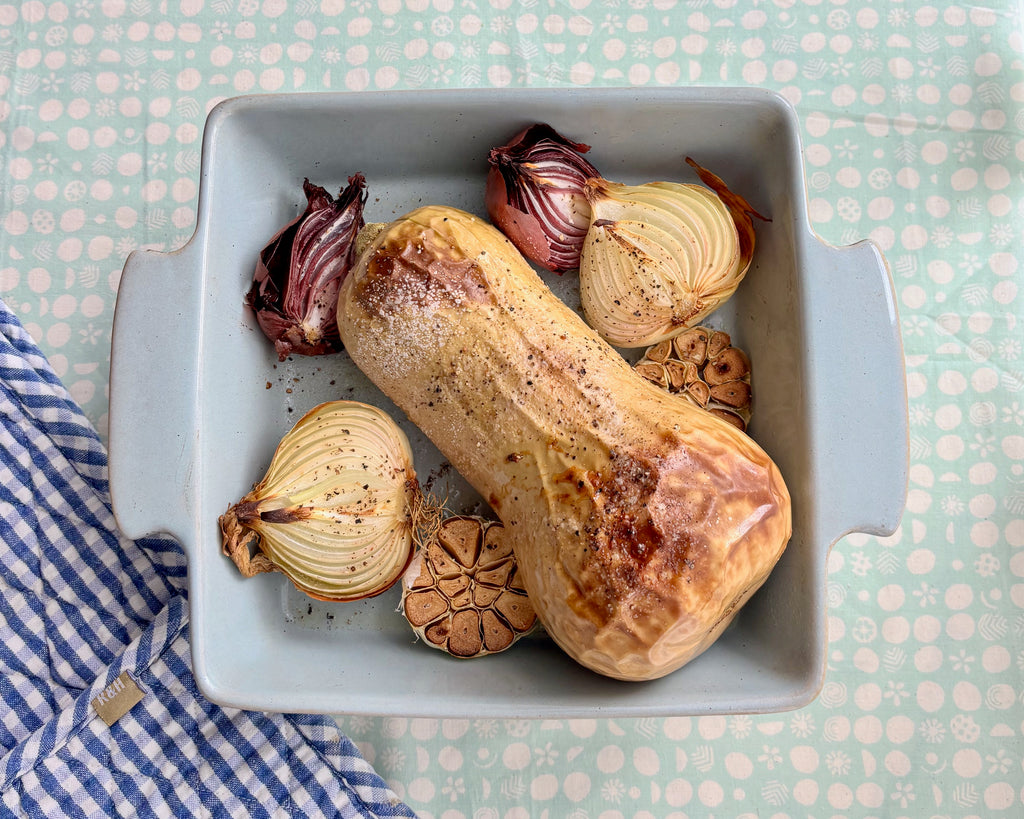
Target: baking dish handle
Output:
[(855, 337), (153, 371)]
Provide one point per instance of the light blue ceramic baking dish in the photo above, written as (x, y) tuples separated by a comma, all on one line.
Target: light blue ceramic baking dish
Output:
[(199, 401)]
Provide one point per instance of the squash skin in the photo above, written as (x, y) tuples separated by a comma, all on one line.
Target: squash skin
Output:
[(640, 523)]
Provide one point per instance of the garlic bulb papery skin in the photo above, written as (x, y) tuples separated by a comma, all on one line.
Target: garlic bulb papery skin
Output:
[(336, 509), (657, 259)]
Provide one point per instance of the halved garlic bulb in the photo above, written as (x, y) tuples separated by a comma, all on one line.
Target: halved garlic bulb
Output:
[(462, 592), (702, 365), (659, 257), (337, 510)]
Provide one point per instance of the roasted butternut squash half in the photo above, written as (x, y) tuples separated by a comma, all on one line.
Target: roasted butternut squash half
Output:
[(640, 522)]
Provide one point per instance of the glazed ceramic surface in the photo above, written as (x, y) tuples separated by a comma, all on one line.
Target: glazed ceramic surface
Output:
[(199, 399)]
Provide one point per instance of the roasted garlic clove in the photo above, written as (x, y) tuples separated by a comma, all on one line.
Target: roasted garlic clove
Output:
[(655, 372), (698, 392), (731, 365), (692, 345), (461, 593), (680, 373), (718, 343), (730, 417), (660, 352), (704, 367)]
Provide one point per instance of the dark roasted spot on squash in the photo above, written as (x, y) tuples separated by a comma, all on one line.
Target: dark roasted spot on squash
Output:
[(625, 525), (647, 532), (421, 272)]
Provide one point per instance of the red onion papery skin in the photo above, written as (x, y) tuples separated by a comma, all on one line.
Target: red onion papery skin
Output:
[(535, 195), (299, 272)]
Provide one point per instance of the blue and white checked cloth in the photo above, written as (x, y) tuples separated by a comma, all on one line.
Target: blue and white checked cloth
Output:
[(81, 604)]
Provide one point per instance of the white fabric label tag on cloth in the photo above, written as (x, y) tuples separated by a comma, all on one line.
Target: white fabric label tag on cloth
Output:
[(117, 699)]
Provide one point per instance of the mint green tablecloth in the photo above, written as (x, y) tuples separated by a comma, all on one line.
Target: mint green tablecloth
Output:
[(913, 121)]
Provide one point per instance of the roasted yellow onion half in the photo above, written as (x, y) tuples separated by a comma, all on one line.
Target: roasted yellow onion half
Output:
[(659, 257), (336, 511)]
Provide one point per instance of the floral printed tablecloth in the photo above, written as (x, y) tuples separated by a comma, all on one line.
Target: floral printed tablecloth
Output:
[(913, 123)]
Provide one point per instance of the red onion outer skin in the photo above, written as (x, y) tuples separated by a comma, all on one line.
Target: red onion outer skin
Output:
[(522, 229), (534, 195), (300, 271)]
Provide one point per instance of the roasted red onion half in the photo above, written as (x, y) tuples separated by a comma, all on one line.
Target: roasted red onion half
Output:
[(535, 195), (295, 287)]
